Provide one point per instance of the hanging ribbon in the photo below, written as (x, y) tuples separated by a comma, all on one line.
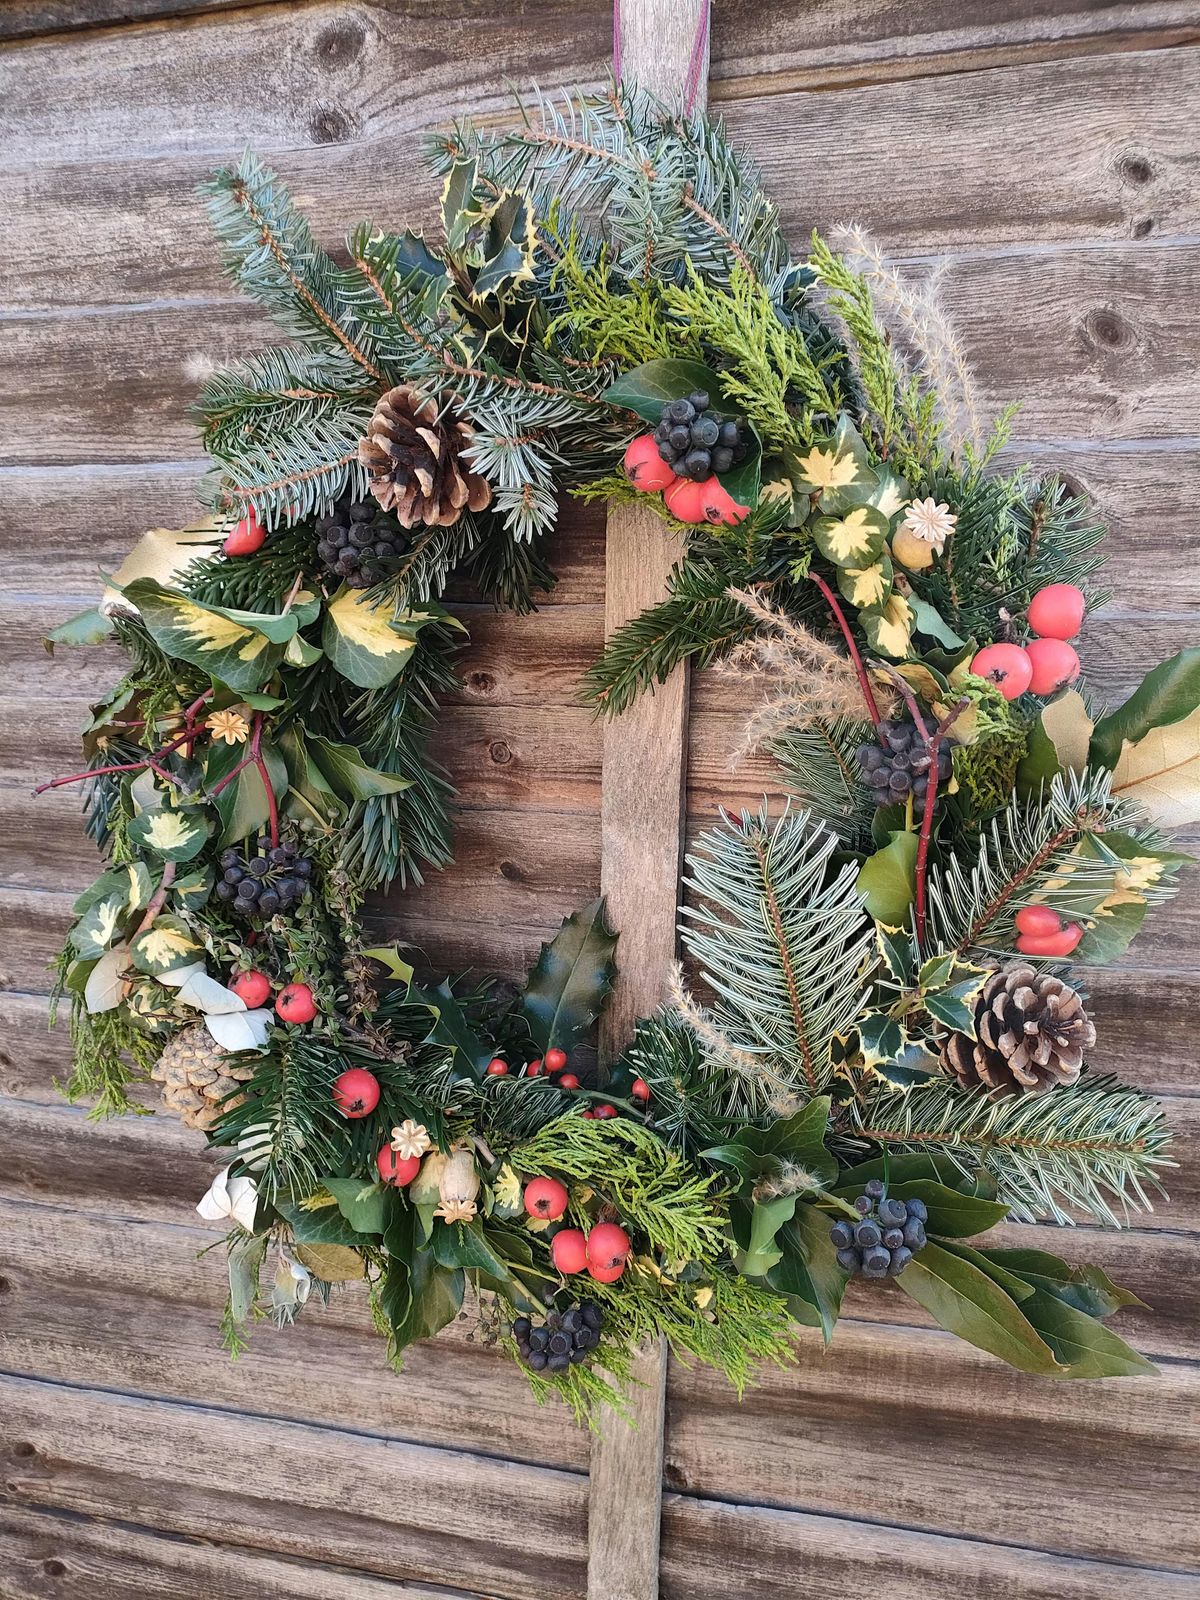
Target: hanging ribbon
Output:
[(695, 70)]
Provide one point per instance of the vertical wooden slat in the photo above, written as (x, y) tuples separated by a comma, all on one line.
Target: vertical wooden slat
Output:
[(642, 824)]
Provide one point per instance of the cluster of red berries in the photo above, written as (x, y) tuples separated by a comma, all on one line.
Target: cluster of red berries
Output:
[(1047, 663), (553, 1065), (293, 1003), (689, 501), (601, 1252), (1042, 932)]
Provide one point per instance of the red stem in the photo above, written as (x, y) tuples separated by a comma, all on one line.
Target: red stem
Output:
[(254, 758), (864, 682), (123, 766)]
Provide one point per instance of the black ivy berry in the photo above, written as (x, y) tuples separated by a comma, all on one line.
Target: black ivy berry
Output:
[(694, 442), (261, 881), (563, 1341), (886, 1237), (360, 542), (897, 764)]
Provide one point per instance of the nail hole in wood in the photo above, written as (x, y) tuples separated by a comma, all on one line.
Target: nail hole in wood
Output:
[(54, 1569), (511, 871), (1142, 227), (22, 1448)]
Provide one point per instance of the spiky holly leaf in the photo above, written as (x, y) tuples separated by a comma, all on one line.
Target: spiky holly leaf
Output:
[(571, 979)]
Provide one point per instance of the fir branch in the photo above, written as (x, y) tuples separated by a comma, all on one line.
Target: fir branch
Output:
[(817, 764)]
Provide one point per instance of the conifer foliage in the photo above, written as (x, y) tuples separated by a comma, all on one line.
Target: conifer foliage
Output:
[(879, 1050)]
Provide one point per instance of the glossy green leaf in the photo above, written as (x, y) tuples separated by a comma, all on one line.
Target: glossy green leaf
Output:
[(886, 880), (571, 979), (927, 619), (1084, 1347), (1168, 694), (965, 1301), (760, 1252), (451, 1029), (242, 804), (1089, 1289), (347, 773), (808, 1268), (365, 1206), (131, 884), (166, 945), (645, 390), (238, 648), (952, 1213), (86, 627)]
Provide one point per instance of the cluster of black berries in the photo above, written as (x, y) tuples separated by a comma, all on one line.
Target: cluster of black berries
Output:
[(267, 879), (566, 1337), (898, 764), (886, 1238), (360, 542), (693, 442)]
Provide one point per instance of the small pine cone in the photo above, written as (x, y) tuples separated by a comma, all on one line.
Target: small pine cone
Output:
[(415, 461), (1031, 1033), (196, 1074)]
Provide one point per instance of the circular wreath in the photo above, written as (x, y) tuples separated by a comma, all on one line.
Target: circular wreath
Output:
[(887, 1056)]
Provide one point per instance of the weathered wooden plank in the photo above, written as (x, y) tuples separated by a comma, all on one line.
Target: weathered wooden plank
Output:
[(1093, 341), (137, 1308), (1122, 167), (46, 1554), (386, 1508), (712, 1551), (931, 1415)]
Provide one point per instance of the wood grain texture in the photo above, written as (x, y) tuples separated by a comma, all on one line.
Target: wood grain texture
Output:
[(388, 1508)]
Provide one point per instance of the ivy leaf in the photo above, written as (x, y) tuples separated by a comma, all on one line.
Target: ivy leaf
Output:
[(798, 1140), (324, 1225), (364, 1205), (808, 1269), (755, 1226), (343, 768), (889, 627), (645, 390), (866, 586), (1088, 1289), (571, 979), (368, 644), (965, 1301), (238, 648), (855, 539), (86, 627), (193, 890), (173, 835), (101, 924), (887, 879), (167, 944), (242, 804), (131, 881)]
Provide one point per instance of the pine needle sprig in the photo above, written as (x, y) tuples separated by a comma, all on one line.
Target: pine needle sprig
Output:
[(1095, 1147)]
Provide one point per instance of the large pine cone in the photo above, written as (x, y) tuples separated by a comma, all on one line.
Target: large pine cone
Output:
[(1031, 1033), (196, 1074), (414, 459)]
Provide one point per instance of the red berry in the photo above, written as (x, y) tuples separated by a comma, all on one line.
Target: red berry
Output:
[(1050, 944), (534, 1068), (719, 506), (1005, 665), (497, 1068), (1054, 664), (567, 1080), (246, 538), (645, 468), (607, 1246), (295, 1003), (556, 1059), (1057, 612), (568, 1250), (639, 1089), (604, 1112), (1039, 921), (546, 1197), (588, 1116), (356, 1093), (606, 1274), (685, 500), (252, 987), (393, 1170)]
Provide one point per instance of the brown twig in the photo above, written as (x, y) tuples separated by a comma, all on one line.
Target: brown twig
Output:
[(861, 671), (157, 899)]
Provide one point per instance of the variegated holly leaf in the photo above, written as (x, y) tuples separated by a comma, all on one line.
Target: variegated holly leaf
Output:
[(173, 835), (99, 926), (166, 944), (889, 627), (105, 986), (867, 586), (855, 539), (367, 643), (887, 1051), (132, 881), (238, 648), (953, 1004)]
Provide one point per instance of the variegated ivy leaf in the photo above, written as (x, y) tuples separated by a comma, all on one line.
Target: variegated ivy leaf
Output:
[(890, 494), (193, 889), (238, 648), (866, 586), (837, 470), (105, 986), (99, 926), (167, 944), (889, 629), (173, 835), (367, 643), (132, 880), (855, 539), (145, 793)]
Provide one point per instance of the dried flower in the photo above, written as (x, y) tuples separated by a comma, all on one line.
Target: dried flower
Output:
[(411, 1139), (930, 522), (231, 726), (459, 1186), (232, 1198)]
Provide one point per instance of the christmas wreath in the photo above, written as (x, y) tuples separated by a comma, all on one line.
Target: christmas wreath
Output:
[(879, 1052)]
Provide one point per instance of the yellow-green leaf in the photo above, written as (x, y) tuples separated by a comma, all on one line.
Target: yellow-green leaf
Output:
[(165, 945), (361, 639), (239, 648), (174, 835), (854, 539), (866, 586), (1162, 772), (889, 629)]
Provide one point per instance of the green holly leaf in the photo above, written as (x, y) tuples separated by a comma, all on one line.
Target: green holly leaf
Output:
[(571, 979), (887, 879), (645, 390), (450, 1028), (965, 1301), (394, 964)]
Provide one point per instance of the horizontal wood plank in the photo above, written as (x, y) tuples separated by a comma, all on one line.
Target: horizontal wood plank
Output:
[(921, 1430), (711, 1551), (390, 1509)]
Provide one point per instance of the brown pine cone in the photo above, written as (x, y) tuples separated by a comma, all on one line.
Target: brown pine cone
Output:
[(197, 1074), (1031, 1033), (414, 458)]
